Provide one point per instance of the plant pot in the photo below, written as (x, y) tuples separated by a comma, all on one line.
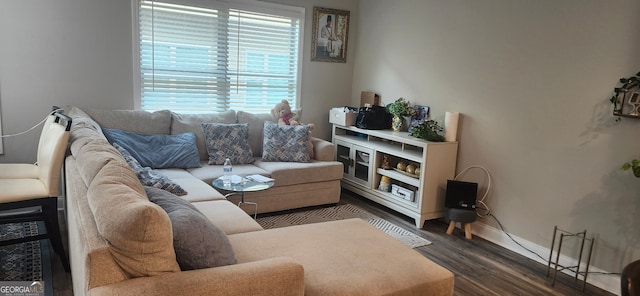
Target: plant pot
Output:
[(400, 123)]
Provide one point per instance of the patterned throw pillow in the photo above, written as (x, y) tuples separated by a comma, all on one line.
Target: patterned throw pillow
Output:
[(227, 141), (287, 143), (148, 176)]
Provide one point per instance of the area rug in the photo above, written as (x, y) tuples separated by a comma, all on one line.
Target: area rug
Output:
[(341, 212), (28, 261)]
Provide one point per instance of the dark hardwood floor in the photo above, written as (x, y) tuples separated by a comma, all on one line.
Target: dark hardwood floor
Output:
[(480, 267)]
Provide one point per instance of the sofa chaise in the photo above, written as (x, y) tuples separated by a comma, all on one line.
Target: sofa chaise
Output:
[(121, 243)]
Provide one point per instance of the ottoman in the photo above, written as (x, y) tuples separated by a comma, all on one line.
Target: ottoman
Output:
[(347, 257)]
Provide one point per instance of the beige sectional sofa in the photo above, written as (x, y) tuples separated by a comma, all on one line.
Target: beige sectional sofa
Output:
[(297, 184), (120, 243)]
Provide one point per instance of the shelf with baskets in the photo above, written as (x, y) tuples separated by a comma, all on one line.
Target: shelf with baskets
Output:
[(417, 192)]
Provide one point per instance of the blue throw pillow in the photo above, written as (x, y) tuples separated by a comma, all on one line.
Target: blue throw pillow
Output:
[(286, 143), (227, 141), (149, 177), (158, 151)]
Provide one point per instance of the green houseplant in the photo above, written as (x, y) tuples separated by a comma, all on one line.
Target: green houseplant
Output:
[(400, 109), (634, 165), (429, 130)]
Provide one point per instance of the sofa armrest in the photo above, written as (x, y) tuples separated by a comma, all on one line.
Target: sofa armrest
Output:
[(274, 276), (322, 149)]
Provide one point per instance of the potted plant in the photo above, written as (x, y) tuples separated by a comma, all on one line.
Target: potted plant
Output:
[(634, 165), (400, 109), (429, 130)]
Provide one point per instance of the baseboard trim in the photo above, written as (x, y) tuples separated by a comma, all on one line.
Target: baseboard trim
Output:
[(610, 283)]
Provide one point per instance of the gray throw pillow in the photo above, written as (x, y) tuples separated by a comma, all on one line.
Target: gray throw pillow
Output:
[(287, 143), (197, 241), (158, 151), (148, 176), (227, 141)]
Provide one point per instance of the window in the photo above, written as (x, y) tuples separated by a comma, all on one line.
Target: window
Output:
[(218, 56)]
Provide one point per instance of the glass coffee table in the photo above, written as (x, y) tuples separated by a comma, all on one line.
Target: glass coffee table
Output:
[(240, 185)]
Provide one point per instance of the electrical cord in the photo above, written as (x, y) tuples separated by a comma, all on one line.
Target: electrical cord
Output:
[(538, 255), (487, 211), (514, 240), (33, 127), (482, 205)]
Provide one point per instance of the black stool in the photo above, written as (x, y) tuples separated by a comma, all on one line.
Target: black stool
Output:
[(464, 217)]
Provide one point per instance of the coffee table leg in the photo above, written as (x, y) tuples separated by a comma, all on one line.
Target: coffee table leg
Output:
[(255, 212)]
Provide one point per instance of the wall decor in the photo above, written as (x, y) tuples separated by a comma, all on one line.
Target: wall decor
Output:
[(330, 35), (626, 98), (422, 114)]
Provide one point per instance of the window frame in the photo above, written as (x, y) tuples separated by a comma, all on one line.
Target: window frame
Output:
[(264, 7)]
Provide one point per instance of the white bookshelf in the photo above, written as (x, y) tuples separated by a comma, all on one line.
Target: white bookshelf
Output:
[(437, 162)]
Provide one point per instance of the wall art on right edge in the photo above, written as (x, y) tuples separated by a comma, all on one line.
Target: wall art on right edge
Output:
[(330, 32)]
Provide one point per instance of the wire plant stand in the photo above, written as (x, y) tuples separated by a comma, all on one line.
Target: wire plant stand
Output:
[(562, 235)]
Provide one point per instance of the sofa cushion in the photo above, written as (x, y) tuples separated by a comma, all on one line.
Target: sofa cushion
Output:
[(294, 173), (197, 241), (148, 176), (158, 122), (198, 190), (183, 123), (285, 143), (227, 141), (82, 125), (158, 151), (138, 231), (256, 126), (93, 156), (227, 216)]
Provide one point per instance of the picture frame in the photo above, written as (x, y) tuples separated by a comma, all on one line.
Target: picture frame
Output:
[(634, 101), (330, 35), (422, 114)]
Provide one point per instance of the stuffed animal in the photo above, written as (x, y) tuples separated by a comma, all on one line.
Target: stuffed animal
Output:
[(282, 111), (285, 116)]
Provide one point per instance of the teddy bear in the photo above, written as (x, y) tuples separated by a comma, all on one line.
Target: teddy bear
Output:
[(282, 111)]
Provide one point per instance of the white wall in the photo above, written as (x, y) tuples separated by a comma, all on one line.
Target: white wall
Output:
[(79, 52), (533, 79), (62, 52)]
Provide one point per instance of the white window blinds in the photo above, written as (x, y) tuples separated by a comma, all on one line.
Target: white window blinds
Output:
[(196, 59)]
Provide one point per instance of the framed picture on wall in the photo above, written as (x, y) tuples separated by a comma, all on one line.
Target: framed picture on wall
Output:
[(330, 31)]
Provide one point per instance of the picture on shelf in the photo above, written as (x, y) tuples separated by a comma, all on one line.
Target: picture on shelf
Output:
[(422, 114)]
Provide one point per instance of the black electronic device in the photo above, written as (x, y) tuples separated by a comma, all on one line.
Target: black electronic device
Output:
[(461, 195)]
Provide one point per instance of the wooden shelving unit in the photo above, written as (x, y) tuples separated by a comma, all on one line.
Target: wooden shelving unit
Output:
[(437, 162)]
